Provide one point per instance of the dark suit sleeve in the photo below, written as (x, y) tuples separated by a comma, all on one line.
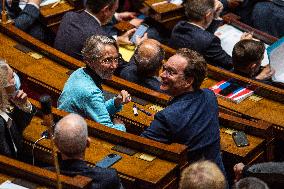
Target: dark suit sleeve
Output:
[(23, 118), (269, 172), (158, 130), (217, 55), (27, 17)]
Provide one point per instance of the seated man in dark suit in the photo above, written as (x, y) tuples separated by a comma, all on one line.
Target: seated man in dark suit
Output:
[(269, 17), (247, 56), (191, 117), (75, 28), (144, 66), (193, 34), (71, 139), (26, 19)]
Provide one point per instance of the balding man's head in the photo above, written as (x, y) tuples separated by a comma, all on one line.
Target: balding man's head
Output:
[(148, 57), (71, 135)]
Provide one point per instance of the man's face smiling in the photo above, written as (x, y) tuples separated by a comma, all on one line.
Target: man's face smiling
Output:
[(172, 76)]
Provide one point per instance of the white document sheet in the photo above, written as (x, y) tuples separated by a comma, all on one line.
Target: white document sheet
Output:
[(22, 3), (229, 36), (276, 56), (9, 185)]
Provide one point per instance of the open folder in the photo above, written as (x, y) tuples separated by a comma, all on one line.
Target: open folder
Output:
[(276, 58)]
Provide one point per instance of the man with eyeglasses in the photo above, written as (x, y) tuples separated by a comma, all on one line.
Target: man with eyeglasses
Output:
[(83, 94), (191, 117)]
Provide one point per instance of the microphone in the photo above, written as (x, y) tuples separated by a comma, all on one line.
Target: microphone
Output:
[(44, 135)]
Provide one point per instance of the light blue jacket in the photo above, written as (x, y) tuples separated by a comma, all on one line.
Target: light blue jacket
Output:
[(81, 95)]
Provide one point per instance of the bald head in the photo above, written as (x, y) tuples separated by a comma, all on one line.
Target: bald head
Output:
[(148, 57), (70, 135)]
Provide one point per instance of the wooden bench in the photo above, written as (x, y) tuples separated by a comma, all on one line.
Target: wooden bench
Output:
[(21, 173)]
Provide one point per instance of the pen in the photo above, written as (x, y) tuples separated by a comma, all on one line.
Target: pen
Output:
[(144, 111), (55, 4)]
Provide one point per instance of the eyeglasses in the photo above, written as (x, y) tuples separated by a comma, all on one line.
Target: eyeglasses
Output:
[(110, 60)]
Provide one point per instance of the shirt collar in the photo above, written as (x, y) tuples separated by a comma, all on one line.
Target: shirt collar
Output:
[(92, 15), (96, 78), (4, 115), (196, 25)]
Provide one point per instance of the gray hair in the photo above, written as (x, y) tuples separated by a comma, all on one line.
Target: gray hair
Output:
[(148, 57), (70, 135), (94, 45), (202, 175), (250, 183), (4, 102), (195, 10)]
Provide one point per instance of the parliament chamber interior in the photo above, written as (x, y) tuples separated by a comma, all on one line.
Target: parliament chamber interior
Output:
[(154, 136)]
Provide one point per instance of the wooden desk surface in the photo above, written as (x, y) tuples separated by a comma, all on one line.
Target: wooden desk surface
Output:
[(141, 171), (61, 8), (26, 174)]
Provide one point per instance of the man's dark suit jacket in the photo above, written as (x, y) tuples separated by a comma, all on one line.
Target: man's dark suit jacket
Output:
[(186, 35), (269, 17), (20, 121), (102, 178), (73, 31), (190, 119), (26, 19), (130, 73)]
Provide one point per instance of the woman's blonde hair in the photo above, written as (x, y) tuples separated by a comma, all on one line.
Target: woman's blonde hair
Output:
[(4, 101)]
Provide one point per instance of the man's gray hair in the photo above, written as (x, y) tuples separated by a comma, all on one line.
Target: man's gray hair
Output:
[(195, 10), (94, 45), (202, 175), (71, 134)]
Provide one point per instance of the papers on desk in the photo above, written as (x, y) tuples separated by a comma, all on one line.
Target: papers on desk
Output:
[(177, 2), (22, 3), (47, 2), (9, 185), (229, 36), (276, 56)]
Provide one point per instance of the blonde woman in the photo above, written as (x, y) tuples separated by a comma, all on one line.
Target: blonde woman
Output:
[(15, 112)]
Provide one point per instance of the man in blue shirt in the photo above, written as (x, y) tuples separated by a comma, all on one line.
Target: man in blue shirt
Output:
[(191, 117), (82, 93)]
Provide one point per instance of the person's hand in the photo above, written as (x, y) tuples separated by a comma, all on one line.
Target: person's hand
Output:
[(136, 22), (117, 121), (125, 16), (266, 73), (238, 170), (125, 38), (234, 3), (218, 8), (140, 39), (37, 2), (123, 98), (20, 98), (246, 35)]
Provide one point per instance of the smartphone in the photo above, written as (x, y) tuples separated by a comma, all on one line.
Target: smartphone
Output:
[(108, 161), (139, 32), (228, 90), (240, 139)]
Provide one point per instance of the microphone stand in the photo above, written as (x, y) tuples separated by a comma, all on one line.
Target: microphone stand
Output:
[(4, 14), (48, 121)]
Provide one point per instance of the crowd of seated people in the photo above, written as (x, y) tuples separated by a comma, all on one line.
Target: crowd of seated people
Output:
[(191, 117)]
